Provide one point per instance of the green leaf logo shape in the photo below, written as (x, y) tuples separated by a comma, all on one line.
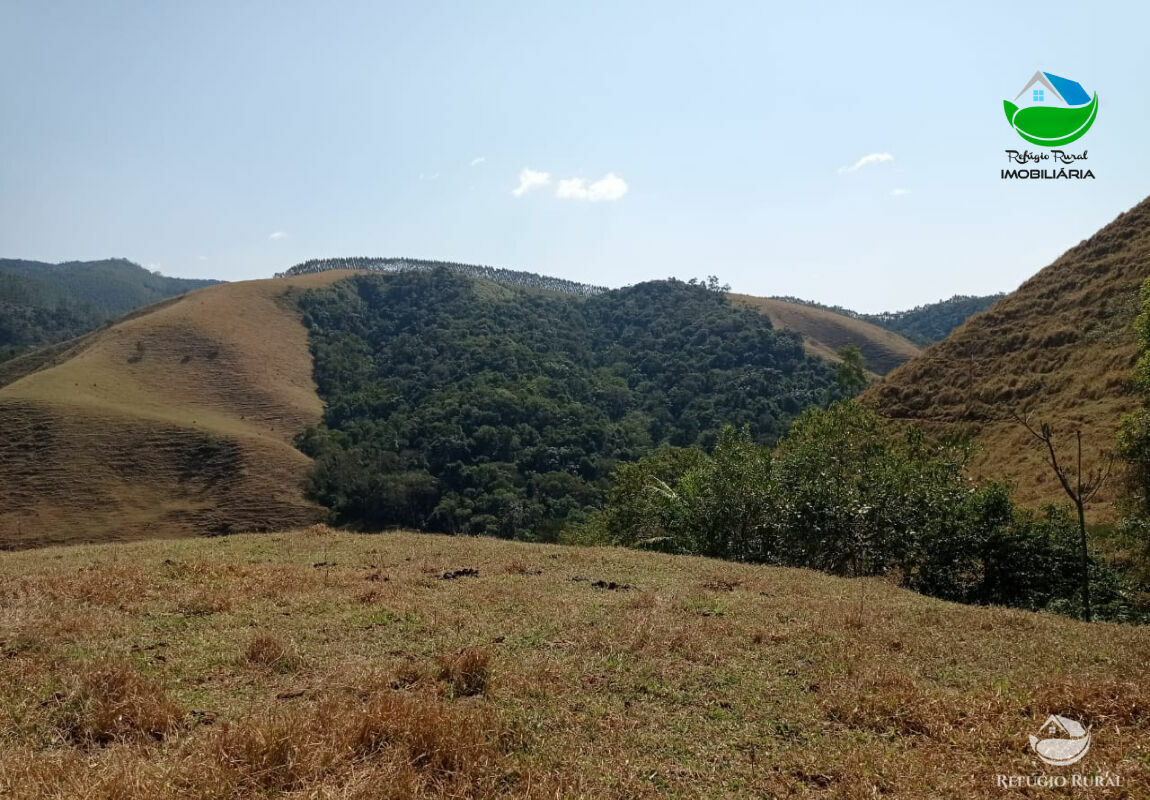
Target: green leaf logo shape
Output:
[(1051, 127)]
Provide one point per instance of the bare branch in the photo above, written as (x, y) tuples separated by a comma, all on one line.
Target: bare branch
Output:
[(1101, 476)]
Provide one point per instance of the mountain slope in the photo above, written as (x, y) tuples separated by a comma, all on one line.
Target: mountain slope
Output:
[(176, 420), (1060, 349), (825, 332), (43, 303)]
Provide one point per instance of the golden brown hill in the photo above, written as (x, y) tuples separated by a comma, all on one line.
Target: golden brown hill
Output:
[(1060, 349), (177, 420), (825, 333)]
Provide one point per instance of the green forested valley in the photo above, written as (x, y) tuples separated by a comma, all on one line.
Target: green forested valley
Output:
[(463, 405)]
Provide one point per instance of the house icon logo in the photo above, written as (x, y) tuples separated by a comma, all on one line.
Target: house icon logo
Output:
[(1064, 741), (1051, 111)]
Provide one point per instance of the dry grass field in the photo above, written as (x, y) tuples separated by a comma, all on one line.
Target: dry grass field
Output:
[(332, 665), (176, 420), (825, 333), (1060, 348)]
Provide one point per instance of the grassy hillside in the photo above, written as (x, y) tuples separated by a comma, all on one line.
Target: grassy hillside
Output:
[(336, 665), (176, 420), (825, 332), (44, 303), (1060, 349)]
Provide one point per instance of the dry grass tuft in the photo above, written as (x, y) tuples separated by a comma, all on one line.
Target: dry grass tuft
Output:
[(413, 743), (467, 672), (889, 702), (370, 597), (271, 652), (1098, 702), (111, 701), (204, 602), (383, 745), (408, 675)]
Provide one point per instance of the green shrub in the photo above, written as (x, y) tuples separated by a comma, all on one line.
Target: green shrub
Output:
[(850, 493)]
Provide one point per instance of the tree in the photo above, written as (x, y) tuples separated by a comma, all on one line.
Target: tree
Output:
[(850, 375), (1080, 490)]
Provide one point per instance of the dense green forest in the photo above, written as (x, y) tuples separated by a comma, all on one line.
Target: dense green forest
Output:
[(44, 303), (923, 325), (463, 405)]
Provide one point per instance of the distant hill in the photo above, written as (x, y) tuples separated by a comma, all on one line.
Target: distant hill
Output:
[(176, 420), (933, 322), (44, 303), (1060, 348), (505, 405), (922, 325), (825, 331), (181, 417), (510, 277)]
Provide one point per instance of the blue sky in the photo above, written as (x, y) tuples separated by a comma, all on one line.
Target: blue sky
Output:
[(232, 140)]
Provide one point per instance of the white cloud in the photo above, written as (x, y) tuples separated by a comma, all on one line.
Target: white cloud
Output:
[(530, 179), (429, 176), (203, 258), (609, 187), (475, 162), (277, 235), (869, 158), (899, 192)]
